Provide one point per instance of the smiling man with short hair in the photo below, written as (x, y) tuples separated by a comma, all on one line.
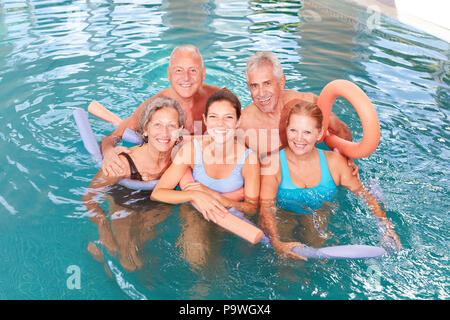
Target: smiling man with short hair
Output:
[(186, 74)]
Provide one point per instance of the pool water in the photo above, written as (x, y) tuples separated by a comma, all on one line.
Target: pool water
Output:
[(59, 55)]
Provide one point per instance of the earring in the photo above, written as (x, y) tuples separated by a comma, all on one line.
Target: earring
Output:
[(179, 140)]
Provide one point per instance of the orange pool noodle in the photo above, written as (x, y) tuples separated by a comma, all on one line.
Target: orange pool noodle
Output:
[(100, 111)]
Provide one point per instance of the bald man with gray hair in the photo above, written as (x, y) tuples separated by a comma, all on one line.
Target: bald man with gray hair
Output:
[(186, 74)]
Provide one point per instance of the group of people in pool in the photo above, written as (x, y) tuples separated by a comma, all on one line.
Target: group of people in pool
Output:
[(267, 149)]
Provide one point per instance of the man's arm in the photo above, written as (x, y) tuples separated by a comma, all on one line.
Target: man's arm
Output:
[(337, 127), (112, 166), (110, 141)]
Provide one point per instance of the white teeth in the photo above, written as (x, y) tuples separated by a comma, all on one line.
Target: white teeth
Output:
[(264, 100)]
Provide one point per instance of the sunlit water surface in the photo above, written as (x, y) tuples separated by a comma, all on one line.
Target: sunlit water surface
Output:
[(59, 55)]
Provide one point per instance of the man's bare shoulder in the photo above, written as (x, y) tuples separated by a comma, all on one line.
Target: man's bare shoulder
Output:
[(167, 92), (250, 109), (289, 95), (164, 92), (249, 115), (207, 89)]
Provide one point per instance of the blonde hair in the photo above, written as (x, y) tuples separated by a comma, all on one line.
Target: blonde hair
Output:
[(310, 109)]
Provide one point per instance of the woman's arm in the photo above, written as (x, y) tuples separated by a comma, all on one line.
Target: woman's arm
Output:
[(251, 174), (164, 190), (353, 183), (98, 186), (251, 171), (268, 212)]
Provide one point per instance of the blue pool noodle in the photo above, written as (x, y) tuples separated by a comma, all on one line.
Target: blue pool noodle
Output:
[(354, 251), (91, 145)]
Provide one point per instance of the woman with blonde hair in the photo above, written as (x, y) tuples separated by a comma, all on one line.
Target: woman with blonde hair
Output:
[(305, 180)]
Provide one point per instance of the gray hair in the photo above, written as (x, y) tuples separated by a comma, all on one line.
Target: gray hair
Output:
[(155, 105), (264, 57), (186, 47)]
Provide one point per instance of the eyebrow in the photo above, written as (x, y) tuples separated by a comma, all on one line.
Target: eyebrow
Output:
[(186, 67), (226, 114), (255, 83), (163, 121)]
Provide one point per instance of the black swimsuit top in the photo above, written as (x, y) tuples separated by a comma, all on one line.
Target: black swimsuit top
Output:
[(134, 173)]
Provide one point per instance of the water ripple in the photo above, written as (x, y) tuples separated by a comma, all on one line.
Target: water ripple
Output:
[(57, 55)]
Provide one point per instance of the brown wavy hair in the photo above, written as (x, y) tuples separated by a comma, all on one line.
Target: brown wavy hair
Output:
[(224, 95)]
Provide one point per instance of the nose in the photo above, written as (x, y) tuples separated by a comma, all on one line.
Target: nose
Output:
[(165, 130), (303, 136), (220, 121), (259, 91), (298, 137), (186, 75)]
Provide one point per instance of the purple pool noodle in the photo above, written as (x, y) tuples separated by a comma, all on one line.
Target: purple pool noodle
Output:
[(334, 252), (131, 136), (87, 136), (91, 145), (354, 251), (138, 185)]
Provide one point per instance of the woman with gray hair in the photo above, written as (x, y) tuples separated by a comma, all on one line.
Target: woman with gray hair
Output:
[(160, 126)]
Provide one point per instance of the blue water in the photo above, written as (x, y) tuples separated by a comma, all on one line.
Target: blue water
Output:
[(58, 55)]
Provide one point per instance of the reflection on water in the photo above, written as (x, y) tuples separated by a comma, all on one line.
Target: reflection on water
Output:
[(58, 55)]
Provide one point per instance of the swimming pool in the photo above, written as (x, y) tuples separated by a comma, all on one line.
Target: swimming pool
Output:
[(57, 55)]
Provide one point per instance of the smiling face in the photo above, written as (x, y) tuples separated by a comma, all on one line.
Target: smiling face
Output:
[(265, 88), (303, 132), (163, 129), (186, 73), (221, 121)]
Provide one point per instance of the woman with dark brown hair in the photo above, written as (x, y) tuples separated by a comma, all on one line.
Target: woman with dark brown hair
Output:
[(220, 164)]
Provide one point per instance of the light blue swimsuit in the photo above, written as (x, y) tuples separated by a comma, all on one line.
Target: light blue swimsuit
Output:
[(294, 199), (231, 183)]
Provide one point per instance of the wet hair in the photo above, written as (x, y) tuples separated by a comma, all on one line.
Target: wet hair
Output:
[(185, 47), (306, 108), (155, 105), (265, 57), (224, 95)]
